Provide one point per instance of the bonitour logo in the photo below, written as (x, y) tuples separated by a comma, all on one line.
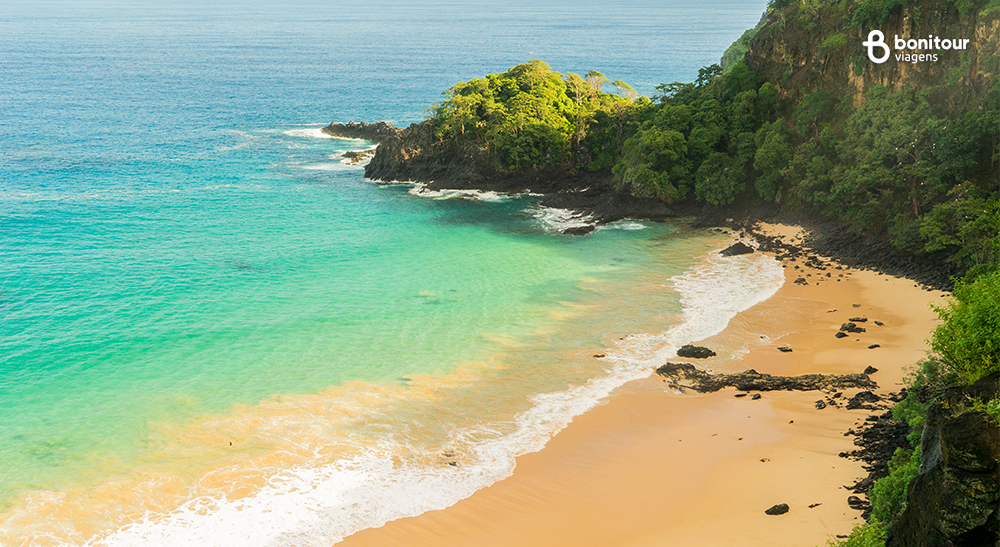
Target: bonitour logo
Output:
[(876, 40)]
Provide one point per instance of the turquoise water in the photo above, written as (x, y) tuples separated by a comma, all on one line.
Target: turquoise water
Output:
[(184, 263)]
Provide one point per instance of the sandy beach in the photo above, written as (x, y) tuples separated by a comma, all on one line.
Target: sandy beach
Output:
[(656, 467)]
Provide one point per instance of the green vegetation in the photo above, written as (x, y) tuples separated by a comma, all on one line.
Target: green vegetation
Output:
[(916, 165), (533, 117), (888, 495), (968, 340), (869, 534)]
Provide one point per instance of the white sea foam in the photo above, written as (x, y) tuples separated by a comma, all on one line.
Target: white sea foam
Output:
[(322, 166), (554, 219), (311, 132), (322, 505), (623, 225), (421, 190)]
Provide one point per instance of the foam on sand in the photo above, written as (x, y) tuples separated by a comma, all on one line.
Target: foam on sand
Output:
[(321, 505)]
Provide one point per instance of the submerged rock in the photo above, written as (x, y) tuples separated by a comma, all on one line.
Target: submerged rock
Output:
[(579, 230)]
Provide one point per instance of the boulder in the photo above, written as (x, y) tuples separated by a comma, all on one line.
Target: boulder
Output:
[(695, 352), (738, 248), (863, 399), (779, 509)]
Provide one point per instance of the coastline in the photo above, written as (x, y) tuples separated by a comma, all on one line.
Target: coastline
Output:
[(649, 467)]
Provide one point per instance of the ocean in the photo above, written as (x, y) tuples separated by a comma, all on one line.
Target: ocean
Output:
[(215, 332)]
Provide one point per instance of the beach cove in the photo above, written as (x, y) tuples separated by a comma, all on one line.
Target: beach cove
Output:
[(654, 467)]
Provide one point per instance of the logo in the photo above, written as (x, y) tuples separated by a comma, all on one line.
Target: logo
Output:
[(912, 49), (876, 39)]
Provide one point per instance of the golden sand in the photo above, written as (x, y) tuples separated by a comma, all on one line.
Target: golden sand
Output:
[(652, 467)]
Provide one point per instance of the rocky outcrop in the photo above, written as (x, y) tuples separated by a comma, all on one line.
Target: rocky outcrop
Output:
[(416, 154), (685, 376), (695, 352), (375, 132), (955, 499)]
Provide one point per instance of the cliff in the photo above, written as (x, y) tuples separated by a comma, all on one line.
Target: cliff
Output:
[(805, 46), (955, 498)]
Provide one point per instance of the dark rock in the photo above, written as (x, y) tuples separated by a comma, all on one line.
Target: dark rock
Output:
[(873, 346), (840, 335), (863, 399), (879, 323), (851, 327), (738, 248), (857, 503), (695, 352), (751, 380), (599, 355), (375, 132), (815, 505), (955, 498), (755, 396), (870, 369), (877, 441), (858, 319), (801, 281), (740, 395), (820, 405), (785, 349), (779, 509), (357, 156), (579, 230), (856, 305)]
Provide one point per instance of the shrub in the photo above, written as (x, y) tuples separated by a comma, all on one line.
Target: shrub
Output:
[(968, 339), (871, 534), (888, 495)]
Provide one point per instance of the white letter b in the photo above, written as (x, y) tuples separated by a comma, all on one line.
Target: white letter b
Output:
[(876, 39)]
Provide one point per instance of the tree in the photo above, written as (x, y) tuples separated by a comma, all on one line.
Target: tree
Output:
[(771, 158)]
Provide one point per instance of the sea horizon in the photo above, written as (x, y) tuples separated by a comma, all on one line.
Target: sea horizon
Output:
[(217, 332)]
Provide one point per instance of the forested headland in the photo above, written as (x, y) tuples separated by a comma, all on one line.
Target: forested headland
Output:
[(901, 157), (798, 121)]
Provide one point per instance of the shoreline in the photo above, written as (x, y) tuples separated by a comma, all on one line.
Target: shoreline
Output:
[(617, 475)]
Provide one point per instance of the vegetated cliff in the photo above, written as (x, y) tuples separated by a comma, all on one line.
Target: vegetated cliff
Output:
[(903, 156), (525, 130), (416, 154), (955, 498), (810, 45)]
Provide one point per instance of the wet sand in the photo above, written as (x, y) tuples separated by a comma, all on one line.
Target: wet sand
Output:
[(655, 467)]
